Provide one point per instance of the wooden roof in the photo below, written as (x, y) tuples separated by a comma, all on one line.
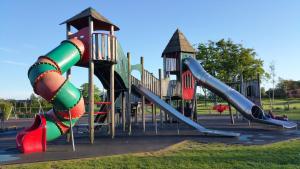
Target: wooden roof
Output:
[(178, 43), (80, 20)]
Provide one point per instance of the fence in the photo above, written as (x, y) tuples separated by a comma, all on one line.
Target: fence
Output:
[(104, 47)]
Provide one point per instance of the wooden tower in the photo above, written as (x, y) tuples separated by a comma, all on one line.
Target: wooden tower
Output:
[(176, 50), (100, 41)]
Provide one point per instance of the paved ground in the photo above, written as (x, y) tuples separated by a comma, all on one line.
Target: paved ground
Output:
[(168, 135)]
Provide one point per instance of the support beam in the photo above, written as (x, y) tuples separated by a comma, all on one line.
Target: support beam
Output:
[(143, 97), (194, 103), (155, 120), (152, 112), (128, 95), (91, 83), (231, 115), (112, 86), (196, 108), (112, 99), (160, 95), (123, 111), (182, 106)]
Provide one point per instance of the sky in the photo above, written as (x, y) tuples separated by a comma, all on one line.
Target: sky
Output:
[(31, 28)]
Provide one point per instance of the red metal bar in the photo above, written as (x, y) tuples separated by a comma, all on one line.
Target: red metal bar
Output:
[(99, 103)]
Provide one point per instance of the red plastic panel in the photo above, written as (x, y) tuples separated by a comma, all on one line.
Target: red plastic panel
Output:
[(33, 139), (188, 85), (83, 36), (220, 108)]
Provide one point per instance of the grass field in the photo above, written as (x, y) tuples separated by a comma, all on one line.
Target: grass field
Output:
[(191, 155), (280, 107)]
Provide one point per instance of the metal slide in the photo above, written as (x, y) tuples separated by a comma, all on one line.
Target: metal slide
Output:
[(247, 108), (174, 113)]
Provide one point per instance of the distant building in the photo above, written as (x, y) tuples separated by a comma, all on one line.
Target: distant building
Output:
[(294, 93)]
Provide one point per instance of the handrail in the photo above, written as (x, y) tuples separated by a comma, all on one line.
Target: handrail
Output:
[(104, 47)]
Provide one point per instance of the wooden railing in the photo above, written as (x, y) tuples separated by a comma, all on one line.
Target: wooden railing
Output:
[(135, 81), (104, 47), (150, 82)]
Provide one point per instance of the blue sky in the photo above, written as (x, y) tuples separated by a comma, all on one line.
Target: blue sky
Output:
[(31, 28)]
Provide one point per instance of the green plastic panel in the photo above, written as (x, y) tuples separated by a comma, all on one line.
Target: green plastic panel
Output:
[(53, 132), (122, 64), (137, 67), (67, 97), (65, 55), (67, 122), (37, 69)]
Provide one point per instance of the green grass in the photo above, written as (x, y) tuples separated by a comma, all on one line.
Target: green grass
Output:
[(192, 155), (279, 108)]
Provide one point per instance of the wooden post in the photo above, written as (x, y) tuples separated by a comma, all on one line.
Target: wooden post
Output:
[(160, 95), (182, 105), (164, 66), (91, 83), (123, 111), (152, 112), (112, 86), (258, 86), (128, 95), (193, 102), (143, 97), (152, 90), (108, 118), (155, 120)]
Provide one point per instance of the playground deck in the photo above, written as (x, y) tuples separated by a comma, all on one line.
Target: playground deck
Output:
[(143, 142)]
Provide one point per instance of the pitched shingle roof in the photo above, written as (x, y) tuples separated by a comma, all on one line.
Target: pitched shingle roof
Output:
[(178, 43), (80, 20)]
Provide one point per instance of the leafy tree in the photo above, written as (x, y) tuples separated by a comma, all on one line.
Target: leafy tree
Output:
[(85, 90), (227, 60), (263, 92), (272, 75), (34, 102), (288, 84), (5, 110), (281, 88)]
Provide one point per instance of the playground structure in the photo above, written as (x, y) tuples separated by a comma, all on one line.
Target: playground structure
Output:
[(95, 46)]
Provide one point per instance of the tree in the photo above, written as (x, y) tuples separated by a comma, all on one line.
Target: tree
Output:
[(263, 92), (272, 75), (226, 60), (34, 102), (5, 110), (85, 91)]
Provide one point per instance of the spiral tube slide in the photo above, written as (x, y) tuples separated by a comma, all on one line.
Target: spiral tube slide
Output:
[(45, 76)]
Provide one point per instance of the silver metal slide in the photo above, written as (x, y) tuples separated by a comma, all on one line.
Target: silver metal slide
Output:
[(175, 114), (247, 108)]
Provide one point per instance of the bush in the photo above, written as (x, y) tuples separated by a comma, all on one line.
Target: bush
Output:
[(6, 109), (278, 108), (294, 107)]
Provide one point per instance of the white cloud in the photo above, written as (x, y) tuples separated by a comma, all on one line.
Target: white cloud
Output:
[(8, 50), (14, 63)]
